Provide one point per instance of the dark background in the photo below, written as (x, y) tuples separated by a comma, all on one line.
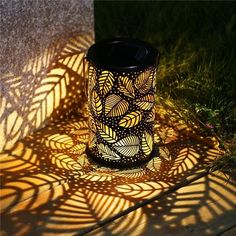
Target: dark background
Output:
[(197, 42)]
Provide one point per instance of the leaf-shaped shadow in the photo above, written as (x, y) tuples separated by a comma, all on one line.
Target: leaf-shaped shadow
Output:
[(27, 187), (20, 159), (74, 62), (76, 44), (124, 227), (142, 190), (48, 95), (74, 212), (59, 141), (48, 88), (66, 162), (185, 161), (78, 149), (105, 205), (80, 210), (154, 165), (81, 135)]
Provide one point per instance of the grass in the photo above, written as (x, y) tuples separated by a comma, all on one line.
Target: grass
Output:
[(197, 43)]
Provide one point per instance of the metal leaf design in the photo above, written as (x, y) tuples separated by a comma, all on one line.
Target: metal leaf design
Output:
[(115, 106), (96, 103), (126, 86), (92, 77), (147, 143), (105, 82), (107, 153), (151, 116), (131, 119), (92, 125), (146, 102), (107, 133), (128, 146), (144, 82)]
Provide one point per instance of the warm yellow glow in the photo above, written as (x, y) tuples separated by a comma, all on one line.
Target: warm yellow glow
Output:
[(41, 199), (48, 178), (63, 161), (58, 141), (142, 190), (50, 175), (34, 97)]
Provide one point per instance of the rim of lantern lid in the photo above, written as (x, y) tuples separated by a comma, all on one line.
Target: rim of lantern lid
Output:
[(122, 55)]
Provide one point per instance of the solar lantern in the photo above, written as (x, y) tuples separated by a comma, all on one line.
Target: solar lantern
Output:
[(121, 95)]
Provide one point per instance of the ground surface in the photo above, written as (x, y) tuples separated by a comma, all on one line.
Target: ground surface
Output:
[(51, 187)]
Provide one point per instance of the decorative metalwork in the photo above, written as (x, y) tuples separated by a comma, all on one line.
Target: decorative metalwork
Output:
[(121, 115)]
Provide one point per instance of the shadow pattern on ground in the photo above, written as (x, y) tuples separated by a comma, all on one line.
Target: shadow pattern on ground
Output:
[(49, 185)]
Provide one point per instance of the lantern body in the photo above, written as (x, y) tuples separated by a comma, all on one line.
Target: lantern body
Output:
[(121, 101)]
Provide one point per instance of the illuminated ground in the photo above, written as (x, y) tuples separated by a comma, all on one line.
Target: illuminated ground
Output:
[(50, 187)]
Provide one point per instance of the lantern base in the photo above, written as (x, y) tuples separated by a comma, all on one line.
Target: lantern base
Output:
[(121, 165)]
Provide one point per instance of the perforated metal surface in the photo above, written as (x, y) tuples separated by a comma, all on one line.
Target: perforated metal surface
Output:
[(121, 116)]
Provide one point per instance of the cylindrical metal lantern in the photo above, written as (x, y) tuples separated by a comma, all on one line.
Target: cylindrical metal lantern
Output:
[(121, 88)]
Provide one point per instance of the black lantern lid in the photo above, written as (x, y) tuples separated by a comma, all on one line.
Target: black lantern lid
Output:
[(122, 55)]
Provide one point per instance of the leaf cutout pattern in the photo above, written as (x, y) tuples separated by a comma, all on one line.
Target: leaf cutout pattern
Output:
[(128, 146), (126, 86), (144, 82), (93, 140), (146, 102), (96, 103), (105, 82), (115, 106), (92, 125), (145, 105), (107, 133), (92, 77), (107, 153), (151, 116), (131, 119), (147, 143), (154, 82)]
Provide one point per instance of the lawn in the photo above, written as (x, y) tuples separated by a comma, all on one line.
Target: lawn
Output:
[(197, 70)]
